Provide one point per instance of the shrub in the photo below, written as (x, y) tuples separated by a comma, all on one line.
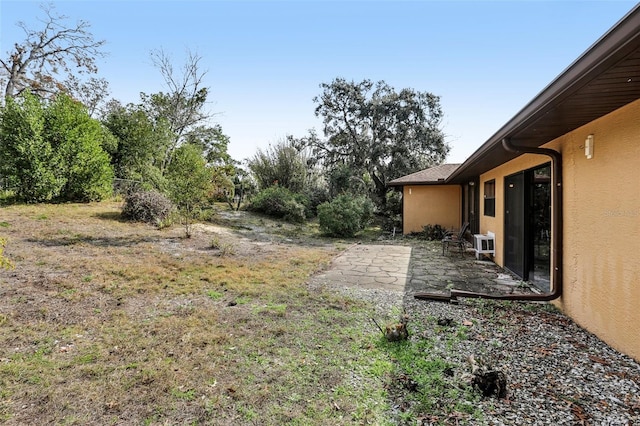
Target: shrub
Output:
[(147, 206), (431, 232), (283, 163), (315, 197), (345, 216), (279, 202), (391, 223), (434, 233), (51, 150)]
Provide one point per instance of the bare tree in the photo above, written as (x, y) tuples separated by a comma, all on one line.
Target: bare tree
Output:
[(42, 61), (183, 105), (93, 93)]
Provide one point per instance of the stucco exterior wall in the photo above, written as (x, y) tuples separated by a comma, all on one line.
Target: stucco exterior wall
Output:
[(601, 206), (431, 205), (602, 229)]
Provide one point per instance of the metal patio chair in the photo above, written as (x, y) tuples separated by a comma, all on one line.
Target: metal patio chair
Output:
[(457, 240)]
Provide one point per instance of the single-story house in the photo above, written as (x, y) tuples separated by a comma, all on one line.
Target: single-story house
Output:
[(559, 186), (429, 201)]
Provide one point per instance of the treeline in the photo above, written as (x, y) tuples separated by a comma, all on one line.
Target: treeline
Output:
[(62, 140)]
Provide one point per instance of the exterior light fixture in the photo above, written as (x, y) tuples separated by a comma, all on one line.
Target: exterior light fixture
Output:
[(588, 147)]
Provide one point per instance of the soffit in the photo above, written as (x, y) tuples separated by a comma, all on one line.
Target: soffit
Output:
[(603, 79)]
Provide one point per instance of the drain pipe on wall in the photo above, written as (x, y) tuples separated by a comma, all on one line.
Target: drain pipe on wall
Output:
[(556, 236)]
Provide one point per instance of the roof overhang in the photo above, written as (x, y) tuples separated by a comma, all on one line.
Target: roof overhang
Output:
[(418, 183), (603, 79), (436, 175)]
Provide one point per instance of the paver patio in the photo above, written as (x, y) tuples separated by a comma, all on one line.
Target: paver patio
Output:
[(413, 267)]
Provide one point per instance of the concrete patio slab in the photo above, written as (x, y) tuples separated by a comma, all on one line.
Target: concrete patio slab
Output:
[(413, 267)]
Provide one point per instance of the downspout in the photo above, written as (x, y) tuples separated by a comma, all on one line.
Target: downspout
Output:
[(556, 234)]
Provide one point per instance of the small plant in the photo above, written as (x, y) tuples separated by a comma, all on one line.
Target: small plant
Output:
[(225, 249), (276, 309), (164, 223), (242, 300), (4, 262), (186, 395), (215, 243), (462, 333), (214, 295)]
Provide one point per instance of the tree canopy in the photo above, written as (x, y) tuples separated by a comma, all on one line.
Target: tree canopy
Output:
[(51, 58), (377, 132), (141, 143), (280, 164), (53, 150), (182, 107)]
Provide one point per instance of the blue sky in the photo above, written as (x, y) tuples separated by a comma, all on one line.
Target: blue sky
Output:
[(265, 60)]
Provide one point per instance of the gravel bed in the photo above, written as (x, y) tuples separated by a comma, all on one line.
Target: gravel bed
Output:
[(557, 373)]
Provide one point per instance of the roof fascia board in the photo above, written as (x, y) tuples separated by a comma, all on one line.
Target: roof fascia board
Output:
[(422, 183)]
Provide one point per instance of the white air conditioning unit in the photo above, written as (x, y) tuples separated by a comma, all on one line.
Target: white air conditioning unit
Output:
[(484, 244)]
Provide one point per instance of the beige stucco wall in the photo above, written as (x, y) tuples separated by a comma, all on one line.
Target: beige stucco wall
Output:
[(496, 224), (601, 259), (431, 205), (602, 229)]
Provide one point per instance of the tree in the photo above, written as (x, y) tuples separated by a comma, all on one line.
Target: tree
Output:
[(27, 159), (182, 107), (374, 130), (141, 143), (48, 56), (52, 150), (282, 164), (93, 92), (78, 141), (212, 142), (189, 181), (150, 134)]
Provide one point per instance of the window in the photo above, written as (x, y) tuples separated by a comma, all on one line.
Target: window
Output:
[(490, 198)]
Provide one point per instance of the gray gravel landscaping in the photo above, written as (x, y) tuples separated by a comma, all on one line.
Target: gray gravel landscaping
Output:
[(557, 373)]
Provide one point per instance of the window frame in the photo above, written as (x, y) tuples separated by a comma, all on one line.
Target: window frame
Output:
[(489, 207)]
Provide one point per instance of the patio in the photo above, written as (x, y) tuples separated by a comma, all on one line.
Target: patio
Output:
[(414, 266)]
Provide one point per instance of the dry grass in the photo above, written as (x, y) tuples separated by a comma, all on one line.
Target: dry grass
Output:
[(109, 322)]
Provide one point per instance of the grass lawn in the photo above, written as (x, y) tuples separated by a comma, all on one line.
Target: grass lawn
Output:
[(106, 322), (110, 322)]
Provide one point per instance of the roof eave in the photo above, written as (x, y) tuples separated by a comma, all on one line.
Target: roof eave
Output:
[(615, 45), (440, 182)]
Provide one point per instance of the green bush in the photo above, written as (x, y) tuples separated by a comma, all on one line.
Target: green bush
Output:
[(315, 197), (391, 223), (147, 206), (279, 202), (51, 150), (345, 216)]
